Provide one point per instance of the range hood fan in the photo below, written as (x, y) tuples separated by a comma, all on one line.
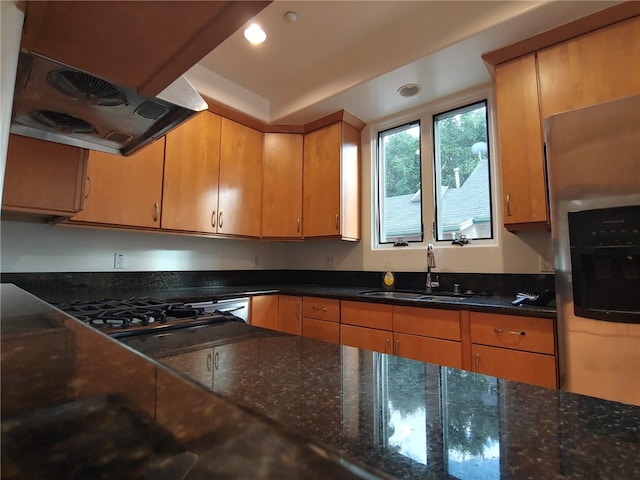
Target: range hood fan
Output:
[(63, 122), (86, 88)]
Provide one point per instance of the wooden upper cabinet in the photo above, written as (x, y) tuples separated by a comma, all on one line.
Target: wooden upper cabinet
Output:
[(191, 164), (282, 186), (597, 67), (124, 191), (43, 177), (331, 182), (521, 144), (239, 197), (141, 45)]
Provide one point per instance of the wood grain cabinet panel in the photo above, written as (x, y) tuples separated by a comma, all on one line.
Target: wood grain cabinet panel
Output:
[(521, 144), (427, 349), (125, 191), (514, 332), (367, 338), (43, 177), (282, 186), (321, 330), (597, 67), (240, 186), (429, 322), (290, 314), (191, 169), (533, 368), (370, 315), (321, 308), (331, 182), (264, 311)]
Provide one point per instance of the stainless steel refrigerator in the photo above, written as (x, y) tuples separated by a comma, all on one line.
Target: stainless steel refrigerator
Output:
[(593, 166)]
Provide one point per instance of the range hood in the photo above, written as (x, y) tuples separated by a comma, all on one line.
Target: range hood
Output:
[(59, 103)]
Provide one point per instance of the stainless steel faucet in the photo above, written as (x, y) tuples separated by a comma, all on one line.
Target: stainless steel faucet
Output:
[(431, 263)]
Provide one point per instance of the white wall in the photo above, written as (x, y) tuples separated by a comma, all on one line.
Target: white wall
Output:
[(34, 247)]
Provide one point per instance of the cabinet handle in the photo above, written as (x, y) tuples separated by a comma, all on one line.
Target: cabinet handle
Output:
[(386, 345), (216, 360), (322, 309), (213, 219), (209, 363), (220, 220), (477, 362), (156, 211), (510, 332), (338, 221), (397, 347), (86, 195), (297, 310), (508, 204), (298, 227)]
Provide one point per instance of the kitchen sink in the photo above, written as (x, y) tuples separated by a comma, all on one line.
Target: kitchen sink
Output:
[(411, 296)]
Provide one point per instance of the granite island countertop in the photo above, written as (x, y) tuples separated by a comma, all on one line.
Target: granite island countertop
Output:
[(399, 417)]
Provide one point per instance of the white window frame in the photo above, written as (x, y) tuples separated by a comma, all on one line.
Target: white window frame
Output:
[(425, 113)]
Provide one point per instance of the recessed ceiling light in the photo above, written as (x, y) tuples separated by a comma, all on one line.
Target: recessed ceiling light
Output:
[(409, 90), (291, 17), (255, 34)]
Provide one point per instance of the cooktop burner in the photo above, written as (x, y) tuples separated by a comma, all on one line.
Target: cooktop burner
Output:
[(137, 315)]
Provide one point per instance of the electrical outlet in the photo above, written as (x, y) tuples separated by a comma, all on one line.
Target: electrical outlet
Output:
[(256, 261), (330, 262), (119, 260), (546, 264)]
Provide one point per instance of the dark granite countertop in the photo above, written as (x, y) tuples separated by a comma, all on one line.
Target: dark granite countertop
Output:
[(280, 406)]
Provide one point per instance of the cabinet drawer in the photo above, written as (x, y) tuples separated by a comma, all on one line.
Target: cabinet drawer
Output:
[(371, 315), (321, 308), (427, 321), (509, 331), (366, 338), (533, 368), (321, 330), (431, 350)]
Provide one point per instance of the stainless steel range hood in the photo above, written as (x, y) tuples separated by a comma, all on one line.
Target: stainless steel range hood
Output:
[(59, 103)]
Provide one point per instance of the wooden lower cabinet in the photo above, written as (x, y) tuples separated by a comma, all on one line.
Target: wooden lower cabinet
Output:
[(367, 338), (527, 367), (427, 349), (514, 347), (198, 364), (321, 330), (290, 314), (264, 311)]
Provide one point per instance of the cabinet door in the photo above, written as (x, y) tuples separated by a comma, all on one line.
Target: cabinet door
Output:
[(429, 322), (282, 186), (590, 69), (43, 177), (197, 364), (192, 159), (370, 315), (426, 349), (125, 190), (321, 308), (264, 311), (514, 332), (321, 182), (367, 338), (239, 198), (521, 144), (534, 368), (290, 314), (321, 330)]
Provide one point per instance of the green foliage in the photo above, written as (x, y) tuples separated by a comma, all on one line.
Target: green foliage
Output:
[(457, 134), (402, 164)]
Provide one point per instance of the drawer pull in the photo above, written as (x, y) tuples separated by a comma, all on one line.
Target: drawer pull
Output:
[(386, 345), (322, 309), (510, 332), (209, 363), (508, 204), (397, 347), (477, 362), (156, 211)]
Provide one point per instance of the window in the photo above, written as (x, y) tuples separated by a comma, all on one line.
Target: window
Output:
[(461, 171), (399, 214)]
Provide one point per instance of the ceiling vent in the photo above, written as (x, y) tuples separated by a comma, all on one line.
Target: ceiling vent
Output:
[(409, 90)]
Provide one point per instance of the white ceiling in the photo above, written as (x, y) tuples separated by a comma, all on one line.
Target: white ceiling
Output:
[(354, 55)]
